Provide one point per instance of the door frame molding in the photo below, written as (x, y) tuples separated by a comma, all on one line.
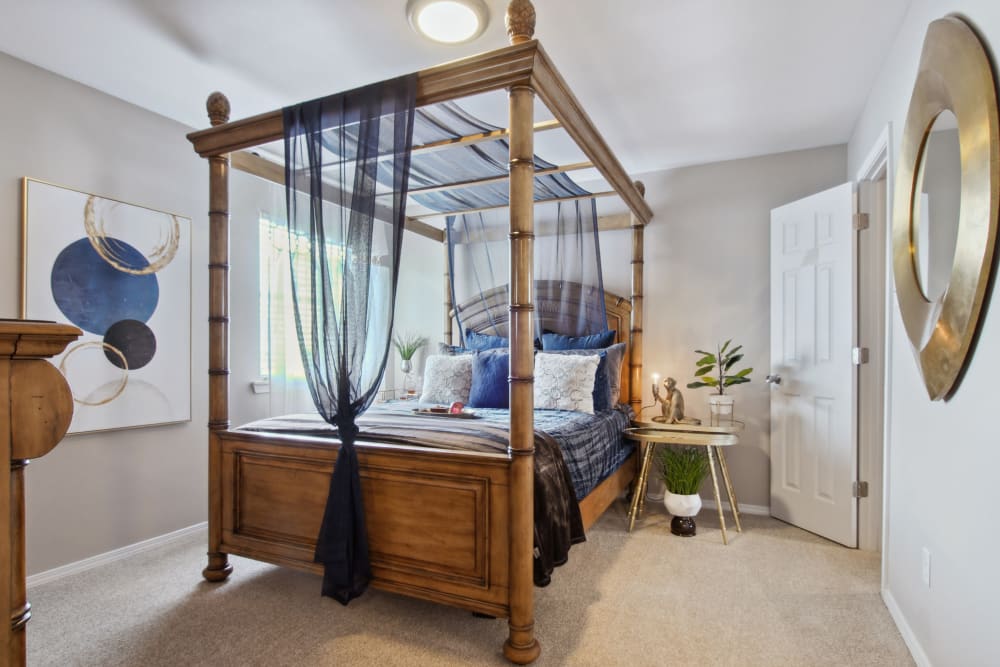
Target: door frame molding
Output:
[(873, 526)]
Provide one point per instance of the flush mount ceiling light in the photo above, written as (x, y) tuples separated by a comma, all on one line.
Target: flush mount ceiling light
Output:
[(448, 21)]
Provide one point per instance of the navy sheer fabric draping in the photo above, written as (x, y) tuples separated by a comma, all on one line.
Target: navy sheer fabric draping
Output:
[(344, 242), (567, 256)]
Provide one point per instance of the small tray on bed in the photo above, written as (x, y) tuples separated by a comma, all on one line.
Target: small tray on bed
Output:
[(443, 412)]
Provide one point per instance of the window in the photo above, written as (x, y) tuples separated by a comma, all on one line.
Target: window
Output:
[(279, 348), (280, 358)]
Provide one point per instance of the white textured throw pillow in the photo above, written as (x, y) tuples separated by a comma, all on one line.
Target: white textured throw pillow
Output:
[(565, 382), (447, 378)]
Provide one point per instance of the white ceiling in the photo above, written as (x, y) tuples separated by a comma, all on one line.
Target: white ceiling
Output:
[(668, 82)]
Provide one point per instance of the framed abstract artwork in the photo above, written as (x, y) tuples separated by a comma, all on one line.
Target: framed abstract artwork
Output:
[(122, 274)]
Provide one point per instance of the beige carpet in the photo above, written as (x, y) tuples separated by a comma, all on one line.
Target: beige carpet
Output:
[(775, 596)]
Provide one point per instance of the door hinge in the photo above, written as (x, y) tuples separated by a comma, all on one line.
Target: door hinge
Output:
[(860, 221), (859, 355), (860, 489)]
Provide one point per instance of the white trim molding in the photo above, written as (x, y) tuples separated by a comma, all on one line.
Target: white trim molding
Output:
[(878, 155), (909, 637), (758, 510), (62, 571)]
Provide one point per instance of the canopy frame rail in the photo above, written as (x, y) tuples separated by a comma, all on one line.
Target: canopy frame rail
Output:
[(255, 165), (490, 180), (463, 141), (550, 200), (524, 64)]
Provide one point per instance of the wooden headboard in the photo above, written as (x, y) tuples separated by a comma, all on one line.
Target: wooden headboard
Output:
[(491, 309)]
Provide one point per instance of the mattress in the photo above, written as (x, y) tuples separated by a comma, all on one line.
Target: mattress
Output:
[(592, 446)]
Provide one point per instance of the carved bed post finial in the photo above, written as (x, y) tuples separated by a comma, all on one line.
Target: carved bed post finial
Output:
[(641, 187), (218, 108), (520, 21)]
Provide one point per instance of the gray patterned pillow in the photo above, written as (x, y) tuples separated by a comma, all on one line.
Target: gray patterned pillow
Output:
[(616, 356), (565, 382), (447, 378)]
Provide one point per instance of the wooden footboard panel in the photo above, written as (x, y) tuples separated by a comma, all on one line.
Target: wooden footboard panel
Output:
[(438, 524)]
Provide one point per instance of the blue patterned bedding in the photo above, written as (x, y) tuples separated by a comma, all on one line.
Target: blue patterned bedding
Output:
[(592, 446)]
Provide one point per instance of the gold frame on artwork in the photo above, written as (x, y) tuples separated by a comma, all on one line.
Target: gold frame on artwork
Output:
[(24, 307), (955, 74)]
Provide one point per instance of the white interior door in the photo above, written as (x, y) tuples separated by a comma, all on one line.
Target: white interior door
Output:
[(813, 408)]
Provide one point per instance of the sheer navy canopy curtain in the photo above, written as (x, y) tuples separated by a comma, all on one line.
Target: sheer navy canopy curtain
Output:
[(567, 258), (344, 257)]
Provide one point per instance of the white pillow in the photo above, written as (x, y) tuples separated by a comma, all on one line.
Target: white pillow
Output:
[(565, 382), (447, 378)]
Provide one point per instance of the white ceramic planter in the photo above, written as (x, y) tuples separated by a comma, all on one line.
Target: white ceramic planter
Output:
[(682, 505)]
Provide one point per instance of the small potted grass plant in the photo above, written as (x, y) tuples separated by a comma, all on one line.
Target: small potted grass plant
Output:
[(683, 470), (406, 345)]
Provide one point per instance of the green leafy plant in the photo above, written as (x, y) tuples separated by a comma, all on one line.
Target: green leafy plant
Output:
[(683, 469), (716, 370), (408, 344)]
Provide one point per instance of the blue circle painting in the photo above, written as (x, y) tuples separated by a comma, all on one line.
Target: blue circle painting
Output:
[(93, 295), (134, 340)]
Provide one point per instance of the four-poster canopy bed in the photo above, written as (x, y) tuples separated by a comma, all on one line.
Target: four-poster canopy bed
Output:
[(449, 526)]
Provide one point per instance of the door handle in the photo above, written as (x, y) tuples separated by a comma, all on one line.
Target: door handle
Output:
[(773, 379)]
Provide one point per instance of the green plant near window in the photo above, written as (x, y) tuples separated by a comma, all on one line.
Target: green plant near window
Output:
[(408, 344), (683, 469), (716, 370)]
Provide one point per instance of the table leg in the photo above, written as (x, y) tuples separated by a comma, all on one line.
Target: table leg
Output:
[(640, 489), (729, 488), (647, 460), (718, 500)]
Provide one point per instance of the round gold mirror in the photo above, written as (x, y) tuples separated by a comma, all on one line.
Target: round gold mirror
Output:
[(944, 226), (935, 213)]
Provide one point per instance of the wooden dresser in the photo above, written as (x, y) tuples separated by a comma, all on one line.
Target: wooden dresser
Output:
[(36, 407)]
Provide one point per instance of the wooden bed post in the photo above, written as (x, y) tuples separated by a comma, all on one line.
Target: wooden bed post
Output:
[(521, 646), (635, 381), (218, 337), (447, 295)]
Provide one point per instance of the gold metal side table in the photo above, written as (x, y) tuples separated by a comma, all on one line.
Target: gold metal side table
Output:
[(651, 434)]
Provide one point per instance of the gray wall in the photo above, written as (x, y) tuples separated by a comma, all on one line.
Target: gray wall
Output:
[(249, 196), (419, 300), (940, 450), (98, 492), (707, 279)]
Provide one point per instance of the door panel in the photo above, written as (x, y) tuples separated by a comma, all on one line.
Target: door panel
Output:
[(813, 409)]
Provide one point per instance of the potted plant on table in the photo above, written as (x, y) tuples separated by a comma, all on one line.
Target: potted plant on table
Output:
[(717, 371), (683, 470), (407, 345)]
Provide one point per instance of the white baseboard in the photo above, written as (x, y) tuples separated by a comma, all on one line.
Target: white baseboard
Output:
[(916, 650), (759, 510), (112, 556)]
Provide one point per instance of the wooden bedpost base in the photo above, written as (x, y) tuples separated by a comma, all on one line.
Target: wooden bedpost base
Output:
[(218, 568), (518, 653)]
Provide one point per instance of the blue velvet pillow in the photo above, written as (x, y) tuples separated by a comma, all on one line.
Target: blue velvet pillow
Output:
[(479, 341), (490, 370), (554, 341)]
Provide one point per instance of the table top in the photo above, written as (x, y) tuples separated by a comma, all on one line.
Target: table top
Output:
[(733, 427), (685, 434)]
